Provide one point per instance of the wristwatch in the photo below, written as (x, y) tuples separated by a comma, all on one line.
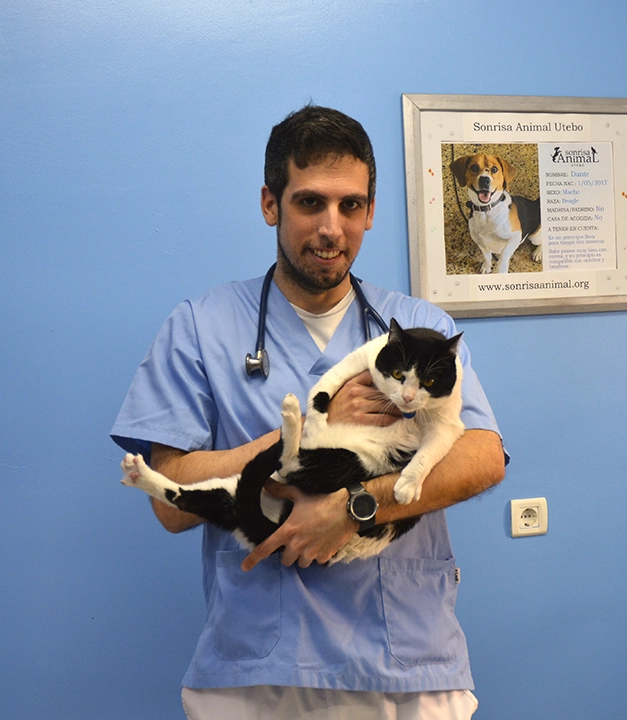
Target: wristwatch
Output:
[(361, 506)]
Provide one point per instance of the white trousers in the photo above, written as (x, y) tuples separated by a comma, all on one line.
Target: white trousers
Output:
[(291, 703)]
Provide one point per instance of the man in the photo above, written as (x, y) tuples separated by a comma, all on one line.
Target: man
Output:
[(286, 636)]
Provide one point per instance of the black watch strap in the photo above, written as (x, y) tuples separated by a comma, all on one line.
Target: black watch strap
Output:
[(362, 506)]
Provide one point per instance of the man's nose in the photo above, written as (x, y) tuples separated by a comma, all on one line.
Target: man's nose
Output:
[(330, 226)]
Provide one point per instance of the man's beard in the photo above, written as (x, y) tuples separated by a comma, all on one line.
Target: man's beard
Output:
[(313, 282)]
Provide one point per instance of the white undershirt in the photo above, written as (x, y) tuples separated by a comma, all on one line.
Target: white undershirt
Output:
[(321, 327)]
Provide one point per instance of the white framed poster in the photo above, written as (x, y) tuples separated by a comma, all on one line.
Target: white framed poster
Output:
[(517, 205)]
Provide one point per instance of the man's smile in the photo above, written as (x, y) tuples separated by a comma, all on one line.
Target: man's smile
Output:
[(326, 254)]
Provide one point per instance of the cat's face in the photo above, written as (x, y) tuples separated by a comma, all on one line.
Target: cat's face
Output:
[(416, 368)]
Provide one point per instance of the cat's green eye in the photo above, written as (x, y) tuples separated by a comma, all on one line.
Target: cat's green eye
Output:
[(428, 382), (397, 374)]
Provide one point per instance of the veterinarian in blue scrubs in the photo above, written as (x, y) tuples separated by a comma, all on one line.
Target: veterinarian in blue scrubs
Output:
[(287, 637)]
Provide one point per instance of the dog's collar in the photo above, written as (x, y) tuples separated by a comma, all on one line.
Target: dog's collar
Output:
[(485, 208)]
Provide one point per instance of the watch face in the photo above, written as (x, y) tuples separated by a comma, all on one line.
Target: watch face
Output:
[(364, 506)]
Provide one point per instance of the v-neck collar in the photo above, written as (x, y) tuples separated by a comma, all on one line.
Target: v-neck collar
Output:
[(283, 322)]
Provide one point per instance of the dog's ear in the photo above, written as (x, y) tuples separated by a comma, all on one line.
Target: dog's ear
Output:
[(458, 168), (509, 171)]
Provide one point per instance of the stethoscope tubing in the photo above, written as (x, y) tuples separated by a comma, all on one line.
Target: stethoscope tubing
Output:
[(367, 309), (261, 363)]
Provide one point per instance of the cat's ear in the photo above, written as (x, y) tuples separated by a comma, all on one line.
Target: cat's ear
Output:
[(396, 331), (453, 342)]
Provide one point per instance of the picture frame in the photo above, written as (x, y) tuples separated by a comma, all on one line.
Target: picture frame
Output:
[(557, 161)]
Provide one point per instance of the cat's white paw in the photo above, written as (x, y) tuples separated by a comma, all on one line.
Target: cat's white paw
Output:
[(290, 411), (290, 407), (133, 467), (406, 490), (138, 474)]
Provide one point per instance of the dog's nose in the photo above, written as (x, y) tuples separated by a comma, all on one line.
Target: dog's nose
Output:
[(484, 182)]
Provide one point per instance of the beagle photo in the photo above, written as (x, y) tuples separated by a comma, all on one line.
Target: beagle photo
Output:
[(499, 222)]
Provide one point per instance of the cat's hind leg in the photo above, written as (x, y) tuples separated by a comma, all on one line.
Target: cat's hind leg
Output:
[(138, 474), (290, 435), (209, 499)]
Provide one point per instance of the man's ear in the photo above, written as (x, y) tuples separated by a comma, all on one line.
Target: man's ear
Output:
[(269, 207), (370, 215)]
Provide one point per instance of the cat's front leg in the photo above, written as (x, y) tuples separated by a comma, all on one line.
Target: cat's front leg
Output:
[(434, 446), (138, 474), (409, 485)]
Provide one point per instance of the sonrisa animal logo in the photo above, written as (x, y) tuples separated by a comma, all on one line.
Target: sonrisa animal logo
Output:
[(575, 157)]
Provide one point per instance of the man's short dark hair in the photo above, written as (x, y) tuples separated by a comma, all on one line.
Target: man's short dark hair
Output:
[(311, 135)]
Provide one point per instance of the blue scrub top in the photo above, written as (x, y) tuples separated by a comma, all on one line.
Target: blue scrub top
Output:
[(381, 624)]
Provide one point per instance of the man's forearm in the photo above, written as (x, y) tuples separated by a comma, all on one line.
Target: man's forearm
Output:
[(474, 464)]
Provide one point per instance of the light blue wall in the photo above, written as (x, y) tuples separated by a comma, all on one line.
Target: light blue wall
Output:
[(131, 145)]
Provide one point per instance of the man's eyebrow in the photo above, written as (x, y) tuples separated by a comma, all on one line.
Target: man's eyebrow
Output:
[(359, 197), (306, 193)]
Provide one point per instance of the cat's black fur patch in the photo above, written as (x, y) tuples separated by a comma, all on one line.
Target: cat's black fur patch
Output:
[(216, 506), (399, 458), (247, 507), (321, 402), (325, 470)]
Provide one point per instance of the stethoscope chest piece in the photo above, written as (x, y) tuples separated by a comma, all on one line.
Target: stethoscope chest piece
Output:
[(259, 363)]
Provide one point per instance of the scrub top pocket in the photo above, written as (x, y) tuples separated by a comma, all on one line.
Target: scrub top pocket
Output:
[(418, 603), (245, 608)]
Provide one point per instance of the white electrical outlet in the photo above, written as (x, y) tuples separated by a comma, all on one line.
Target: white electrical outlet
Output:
[(529, 517)]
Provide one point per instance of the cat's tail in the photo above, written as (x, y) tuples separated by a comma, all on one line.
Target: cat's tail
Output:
[(247, 503)]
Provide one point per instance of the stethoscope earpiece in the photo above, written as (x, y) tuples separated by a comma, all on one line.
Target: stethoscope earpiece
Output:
[(261, 362)]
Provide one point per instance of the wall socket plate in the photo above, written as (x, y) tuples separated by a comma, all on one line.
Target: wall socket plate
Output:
[(529, 517)]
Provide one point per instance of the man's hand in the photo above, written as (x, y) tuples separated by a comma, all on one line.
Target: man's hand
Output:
[(317, 527), (359, 402)]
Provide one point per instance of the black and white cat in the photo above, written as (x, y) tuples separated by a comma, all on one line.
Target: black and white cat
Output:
[(416, 369)]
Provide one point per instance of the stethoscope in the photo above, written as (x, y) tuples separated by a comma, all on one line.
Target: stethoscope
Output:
[(261, 363)]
